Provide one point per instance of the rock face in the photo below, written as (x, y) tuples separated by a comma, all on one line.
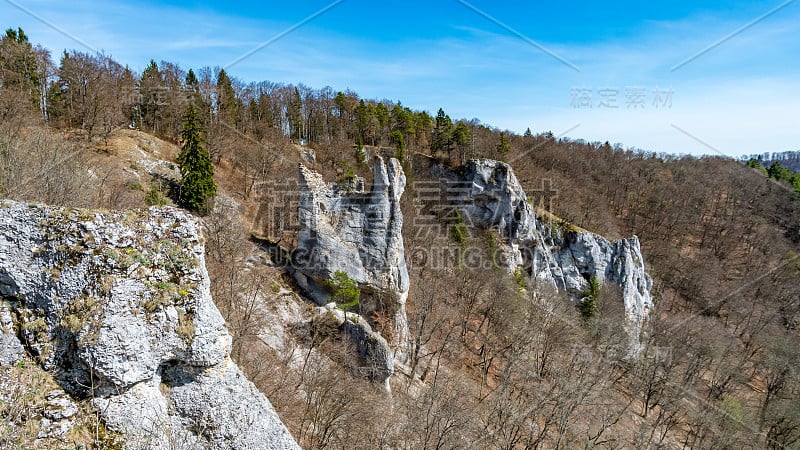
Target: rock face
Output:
[(11, 349), (117, 306), (558, 254), (343, 228), (369, 345), (55, 421)]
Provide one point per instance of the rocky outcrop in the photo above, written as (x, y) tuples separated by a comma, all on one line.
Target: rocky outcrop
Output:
[(556, 253), (373, 350), (57, 415), (11, 349), (117, 306), (343, 228)]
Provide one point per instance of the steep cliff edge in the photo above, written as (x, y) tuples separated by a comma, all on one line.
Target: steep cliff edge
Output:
[(562, 256), (117, 307), (344, 228)]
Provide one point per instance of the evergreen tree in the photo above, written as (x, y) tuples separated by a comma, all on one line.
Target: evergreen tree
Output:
[(462, 138), (294, 115), (192, 84), (382, 114), (753, 163), (227, 103), (151, 90), (588, 305), (503, 146), (363, 119), (423, 123), (197, 172), (442, 133), (778, 172), (17, 35), (345, 291), (397, 138), (402, 120), (19, 65)]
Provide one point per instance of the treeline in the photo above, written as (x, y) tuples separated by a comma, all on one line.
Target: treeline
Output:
[(96, 94), (779, 172), (790, 160), (719, 239)]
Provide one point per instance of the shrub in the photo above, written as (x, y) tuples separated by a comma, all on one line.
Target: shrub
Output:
[(345, 291), (458, 232), (588, 305), (360, 155), (347, 174), (154, 196)]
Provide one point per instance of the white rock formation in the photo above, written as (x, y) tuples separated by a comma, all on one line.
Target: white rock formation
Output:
[(565, 258), (11, 349), (55, 421), (117, 306), (344, 228)]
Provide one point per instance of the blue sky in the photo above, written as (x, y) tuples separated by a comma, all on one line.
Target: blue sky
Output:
[(626, 72)]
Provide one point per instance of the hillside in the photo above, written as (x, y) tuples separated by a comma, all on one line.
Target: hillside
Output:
[(495, 351), (790, 160)]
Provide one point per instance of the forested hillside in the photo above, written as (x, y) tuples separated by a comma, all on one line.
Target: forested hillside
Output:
[(493, 362), (790, 160)]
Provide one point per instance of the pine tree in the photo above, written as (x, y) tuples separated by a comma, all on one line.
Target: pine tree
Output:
[(397, 138), (192, 84), (462, 138), (345, 291), (588, 305), (402, 120), (382, 114), (197, 172), (442, 133), (294, 114), (151, 90), (19, 66), (227, 103), (363, 119), (503, 146), (778, 172)]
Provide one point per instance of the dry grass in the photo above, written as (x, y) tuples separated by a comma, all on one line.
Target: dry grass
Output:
[(547, 217), (23, 388)]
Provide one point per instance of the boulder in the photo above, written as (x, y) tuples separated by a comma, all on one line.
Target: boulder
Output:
[(376, 359), (56, 417)]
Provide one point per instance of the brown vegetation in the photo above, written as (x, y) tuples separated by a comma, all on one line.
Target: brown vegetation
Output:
[(490, 365)]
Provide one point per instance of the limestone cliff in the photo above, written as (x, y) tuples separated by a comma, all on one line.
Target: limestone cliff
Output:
[(117, 307), (343, 228), (562, 256)]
